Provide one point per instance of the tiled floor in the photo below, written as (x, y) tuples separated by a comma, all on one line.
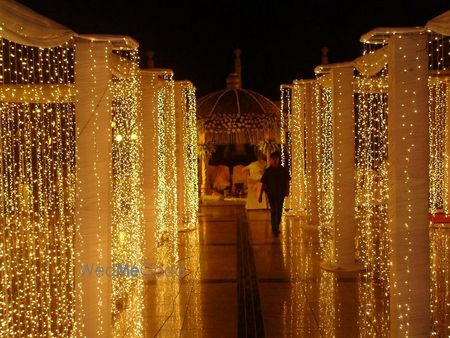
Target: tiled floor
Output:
[(296, 298)]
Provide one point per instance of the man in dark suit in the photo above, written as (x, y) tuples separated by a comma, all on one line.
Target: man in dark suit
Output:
[(275, 182)]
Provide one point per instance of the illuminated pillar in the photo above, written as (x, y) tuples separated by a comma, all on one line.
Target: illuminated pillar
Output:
[(344, 167), (311, 161), (408, 156), (94, 209), (203, 165), (149, 131), (447, 150), (160, 160), (285, 138), (180, 108), (297, 130), (187, 172)]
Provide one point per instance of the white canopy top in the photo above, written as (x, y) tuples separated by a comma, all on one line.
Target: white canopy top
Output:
[(440, 24), (20, 24)]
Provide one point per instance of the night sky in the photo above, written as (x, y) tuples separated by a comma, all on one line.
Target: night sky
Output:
[(279, 42)]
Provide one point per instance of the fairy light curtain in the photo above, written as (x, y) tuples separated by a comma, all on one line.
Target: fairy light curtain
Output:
[(297, 152), (127, 195), (324, 158), (104, 214), (373, 234), (439, 113), (37, 187), (438, 104), (408, 182), (310, 153), (285, 113), (285, 133), (439, 166), (161, 161), (187, 159)]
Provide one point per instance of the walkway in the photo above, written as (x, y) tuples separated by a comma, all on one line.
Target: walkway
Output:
[(241, 282)]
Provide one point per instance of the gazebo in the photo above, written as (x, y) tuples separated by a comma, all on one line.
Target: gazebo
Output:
[(235, 116)]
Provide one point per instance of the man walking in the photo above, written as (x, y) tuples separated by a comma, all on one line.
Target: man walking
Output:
[(275, 182)]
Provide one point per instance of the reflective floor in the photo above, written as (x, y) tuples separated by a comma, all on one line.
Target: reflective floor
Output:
[(235, 279)]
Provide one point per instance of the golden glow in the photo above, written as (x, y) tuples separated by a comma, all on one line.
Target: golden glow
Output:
[(440, 279), (166, 192), (127, 231), (324, 159), (285, 113), (37, 192), (373, 235), (189, 156), (438, 126), (439, 121), (297, 154)]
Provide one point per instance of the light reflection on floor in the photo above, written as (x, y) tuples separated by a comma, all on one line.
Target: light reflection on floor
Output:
[(298, 298)]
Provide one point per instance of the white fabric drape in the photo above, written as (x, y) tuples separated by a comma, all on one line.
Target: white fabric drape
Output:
[(440, 24), (372, 63), (23, 25), (117, 41), (121, 67)]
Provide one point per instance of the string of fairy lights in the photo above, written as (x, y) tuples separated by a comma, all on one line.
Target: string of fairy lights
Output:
[(37, 203), (324, 157), (187, 155), (438, 102), (286, 135), (297, 145), (189, 146), (285, 112), (373, 236), (166, 198), (38, 186), (438, 140), (127, 196)]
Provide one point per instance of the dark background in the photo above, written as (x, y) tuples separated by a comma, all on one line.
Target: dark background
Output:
[(279, 42)]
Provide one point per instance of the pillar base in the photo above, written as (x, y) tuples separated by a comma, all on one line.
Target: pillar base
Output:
[(332, 267)]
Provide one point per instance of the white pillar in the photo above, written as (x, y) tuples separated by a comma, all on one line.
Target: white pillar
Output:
[(344, 167), (93, 120), (408, 156)]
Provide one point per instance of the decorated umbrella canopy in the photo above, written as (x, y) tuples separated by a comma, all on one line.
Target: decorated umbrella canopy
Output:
[(237, 116)]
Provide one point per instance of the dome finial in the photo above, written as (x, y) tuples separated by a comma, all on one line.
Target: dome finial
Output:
[(237, 66), (233, 81)]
